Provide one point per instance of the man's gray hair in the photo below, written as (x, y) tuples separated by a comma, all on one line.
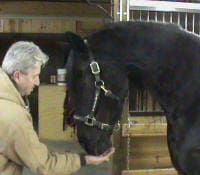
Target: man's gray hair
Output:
[(23, 55)]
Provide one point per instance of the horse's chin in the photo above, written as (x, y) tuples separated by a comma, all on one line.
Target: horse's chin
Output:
[(98, 149)]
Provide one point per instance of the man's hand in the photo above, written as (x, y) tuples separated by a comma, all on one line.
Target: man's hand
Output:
[(95, 160)]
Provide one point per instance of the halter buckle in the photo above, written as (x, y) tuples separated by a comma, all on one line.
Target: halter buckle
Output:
[(90, 121), (103, 125), (94, 67)]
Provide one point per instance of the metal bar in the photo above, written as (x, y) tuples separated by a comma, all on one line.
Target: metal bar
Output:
[(132, 16), (199, 23), (163, 16), (179, 19), (156, 16), (120, 10), (140, 15), (186, 24), (193, 22), (171, 17), (127, 10)]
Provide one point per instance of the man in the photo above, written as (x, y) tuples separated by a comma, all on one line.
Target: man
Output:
[(19, 143)]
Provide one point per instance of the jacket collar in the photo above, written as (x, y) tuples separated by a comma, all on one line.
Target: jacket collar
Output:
[(8, 90)]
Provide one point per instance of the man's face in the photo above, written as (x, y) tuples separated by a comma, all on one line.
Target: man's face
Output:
[(26, 81)]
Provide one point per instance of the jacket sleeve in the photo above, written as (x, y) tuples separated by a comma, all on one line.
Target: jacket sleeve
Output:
[(35, 155)]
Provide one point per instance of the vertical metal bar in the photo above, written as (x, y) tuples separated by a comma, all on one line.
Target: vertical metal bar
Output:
[(116, 12), (163, 17), (148, 16), (186, 17), (120, 10), (171, 17), (156, 16), (193, 22), (179, 18), (199, 23), (127, 10), (132, 15), (140, 15)]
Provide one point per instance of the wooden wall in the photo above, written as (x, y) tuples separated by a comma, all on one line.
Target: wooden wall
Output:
[(51, 17), (51, 99), (79, 26), (28, 17)]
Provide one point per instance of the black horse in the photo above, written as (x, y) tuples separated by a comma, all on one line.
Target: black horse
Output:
[(160, 57)]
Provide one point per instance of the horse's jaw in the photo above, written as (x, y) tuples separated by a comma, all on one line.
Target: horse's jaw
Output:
[(94, 143)]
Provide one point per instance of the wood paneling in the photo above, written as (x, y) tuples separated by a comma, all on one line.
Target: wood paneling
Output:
[(144, 129), (51, 17), (164, 171), (51, 9), (149, 153), (37, 25), (51, 98), (49, 26), (84, 28)]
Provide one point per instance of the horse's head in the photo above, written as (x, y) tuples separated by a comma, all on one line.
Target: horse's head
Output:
[(96, 90)]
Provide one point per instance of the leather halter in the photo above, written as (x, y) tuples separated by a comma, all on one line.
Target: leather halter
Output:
[(90, 119)]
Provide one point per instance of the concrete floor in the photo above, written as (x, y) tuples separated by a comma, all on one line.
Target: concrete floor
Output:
[(102, 169)]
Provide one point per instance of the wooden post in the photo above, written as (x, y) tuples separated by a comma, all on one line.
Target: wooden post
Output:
[(119, 142)]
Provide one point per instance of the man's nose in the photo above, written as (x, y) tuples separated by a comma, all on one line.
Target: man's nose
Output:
[(37, 82)]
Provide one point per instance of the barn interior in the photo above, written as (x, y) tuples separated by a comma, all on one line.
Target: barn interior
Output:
[(141, 142)]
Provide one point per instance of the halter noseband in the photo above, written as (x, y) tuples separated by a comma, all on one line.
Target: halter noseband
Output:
[(90, 119)]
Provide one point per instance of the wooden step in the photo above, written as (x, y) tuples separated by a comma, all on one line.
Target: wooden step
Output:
[(163, 171), (144, 129)]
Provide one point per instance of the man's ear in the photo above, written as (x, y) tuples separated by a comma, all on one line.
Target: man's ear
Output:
[(16, 76)]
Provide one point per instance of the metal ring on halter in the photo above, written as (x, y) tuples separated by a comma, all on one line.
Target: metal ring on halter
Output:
[(99, 83), (117, 126)]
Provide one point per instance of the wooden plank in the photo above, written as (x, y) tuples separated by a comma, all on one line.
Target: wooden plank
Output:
[(148, 152), (164, 171), (38, 25), (84, 28), (51, 98), (50, 9), (144, 129), (147, 120), (119, 142), (149, 162)]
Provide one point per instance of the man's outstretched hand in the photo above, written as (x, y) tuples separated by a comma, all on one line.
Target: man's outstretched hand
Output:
[(95, 160)]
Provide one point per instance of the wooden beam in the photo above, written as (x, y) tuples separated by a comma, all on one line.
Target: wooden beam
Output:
[(64, 1), (144, 129), (51, 9), (164, 171)]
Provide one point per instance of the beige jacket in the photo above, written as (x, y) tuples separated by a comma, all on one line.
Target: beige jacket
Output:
[(19, 144)]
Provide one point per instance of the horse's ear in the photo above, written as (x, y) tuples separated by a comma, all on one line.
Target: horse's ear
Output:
[(75, 41), (65, 46)]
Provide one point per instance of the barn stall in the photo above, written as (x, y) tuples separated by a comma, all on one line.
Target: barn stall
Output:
[(141, 142), (44, 22)]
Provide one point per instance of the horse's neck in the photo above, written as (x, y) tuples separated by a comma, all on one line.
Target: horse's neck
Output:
[(150, 80)]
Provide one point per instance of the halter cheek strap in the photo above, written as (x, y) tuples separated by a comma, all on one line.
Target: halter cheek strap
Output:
[(90, 119)]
